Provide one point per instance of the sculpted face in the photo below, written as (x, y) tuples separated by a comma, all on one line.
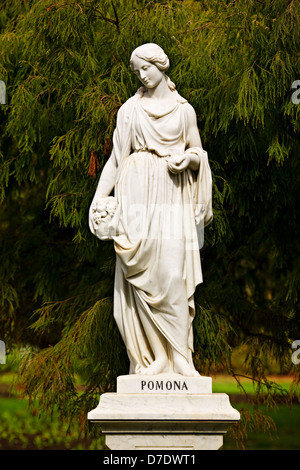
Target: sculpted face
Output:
[(148, 73)]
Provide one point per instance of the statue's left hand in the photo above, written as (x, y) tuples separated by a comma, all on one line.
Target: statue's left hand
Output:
[(179, 163)]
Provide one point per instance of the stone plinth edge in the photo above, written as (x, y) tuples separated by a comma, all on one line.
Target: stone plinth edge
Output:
[(157, 418), (135, 408)]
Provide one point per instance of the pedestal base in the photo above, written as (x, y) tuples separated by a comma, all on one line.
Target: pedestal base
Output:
[(164, 412), (163, 442)]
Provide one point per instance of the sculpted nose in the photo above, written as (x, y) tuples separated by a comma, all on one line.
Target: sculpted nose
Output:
[(142, 74)]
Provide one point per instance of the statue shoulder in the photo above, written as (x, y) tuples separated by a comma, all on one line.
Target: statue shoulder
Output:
[(188, 108), (127, 106), (190, 113)]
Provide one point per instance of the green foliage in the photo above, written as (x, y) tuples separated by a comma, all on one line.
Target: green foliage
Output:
[(65, 64), (23, 429)]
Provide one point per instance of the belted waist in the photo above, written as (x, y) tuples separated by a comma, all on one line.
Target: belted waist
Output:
[(153, 152)]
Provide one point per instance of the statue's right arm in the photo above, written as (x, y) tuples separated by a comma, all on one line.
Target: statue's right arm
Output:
[(107, 179), (109, 173)]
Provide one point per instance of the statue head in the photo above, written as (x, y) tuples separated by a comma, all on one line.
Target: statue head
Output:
[(153, 54)]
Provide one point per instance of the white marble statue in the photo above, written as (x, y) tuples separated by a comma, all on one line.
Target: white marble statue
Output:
[(162, 200)]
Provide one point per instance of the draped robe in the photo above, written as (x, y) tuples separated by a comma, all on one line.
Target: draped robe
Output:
[(157, 230)]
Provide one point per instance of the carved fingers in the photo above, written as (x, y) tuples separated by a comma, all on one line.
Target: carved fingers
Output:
[(179, 163)]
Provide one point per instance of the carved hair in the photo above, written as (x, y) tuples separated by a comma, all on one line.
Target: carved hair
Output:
[(155, 55)]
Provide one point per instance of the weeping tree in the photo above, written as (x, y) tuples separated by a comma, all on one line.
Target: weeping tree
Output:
[(66, 69)]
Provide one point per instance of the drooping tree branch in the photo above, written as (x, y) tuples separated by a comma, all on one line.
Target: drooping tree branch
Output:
[(115, 21)]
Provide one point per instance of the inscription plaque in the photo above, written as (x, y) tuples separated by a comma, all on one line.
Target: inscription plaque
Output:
[(163, 383)]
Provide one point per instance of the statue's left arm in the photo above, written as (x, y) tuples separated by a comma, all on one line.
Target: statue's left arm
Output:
[(203, 182), (193, 139), (190, 159)]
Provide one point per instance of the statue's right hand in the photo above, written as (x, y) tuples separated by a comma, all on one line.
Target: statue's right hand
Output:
[(101, 213)]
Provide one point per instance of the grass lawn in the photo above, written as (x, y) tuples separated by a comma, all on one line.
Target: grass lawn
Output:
[(286, 418), (21, 428), (286, 436)]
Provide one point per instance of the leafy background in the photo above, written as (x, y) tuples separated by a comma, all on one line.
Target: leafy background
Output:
[(65, 65)]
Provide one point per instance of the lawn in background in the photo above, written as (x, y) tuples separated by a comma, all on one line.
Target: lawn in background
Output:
[(21, 428), (286, 418)]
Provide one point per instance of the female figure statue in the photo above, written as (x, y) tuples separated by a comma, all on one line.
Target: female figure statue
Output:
[(162, 190)]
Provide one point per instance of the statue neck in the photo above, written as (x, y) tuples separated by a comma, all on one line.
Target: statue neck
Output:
[(161, 91)]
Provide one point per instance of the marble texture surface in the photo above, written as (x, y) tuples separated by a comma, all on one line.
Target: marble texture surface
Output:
[(161, 179), (164, 407)]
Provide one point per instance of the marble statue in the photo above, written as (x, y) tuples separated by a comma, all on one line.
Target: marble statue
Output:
[(161, 183)]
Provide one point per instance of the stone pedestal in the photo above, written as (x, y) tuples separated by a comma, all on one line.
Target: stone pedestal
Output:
[(164, 412)]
